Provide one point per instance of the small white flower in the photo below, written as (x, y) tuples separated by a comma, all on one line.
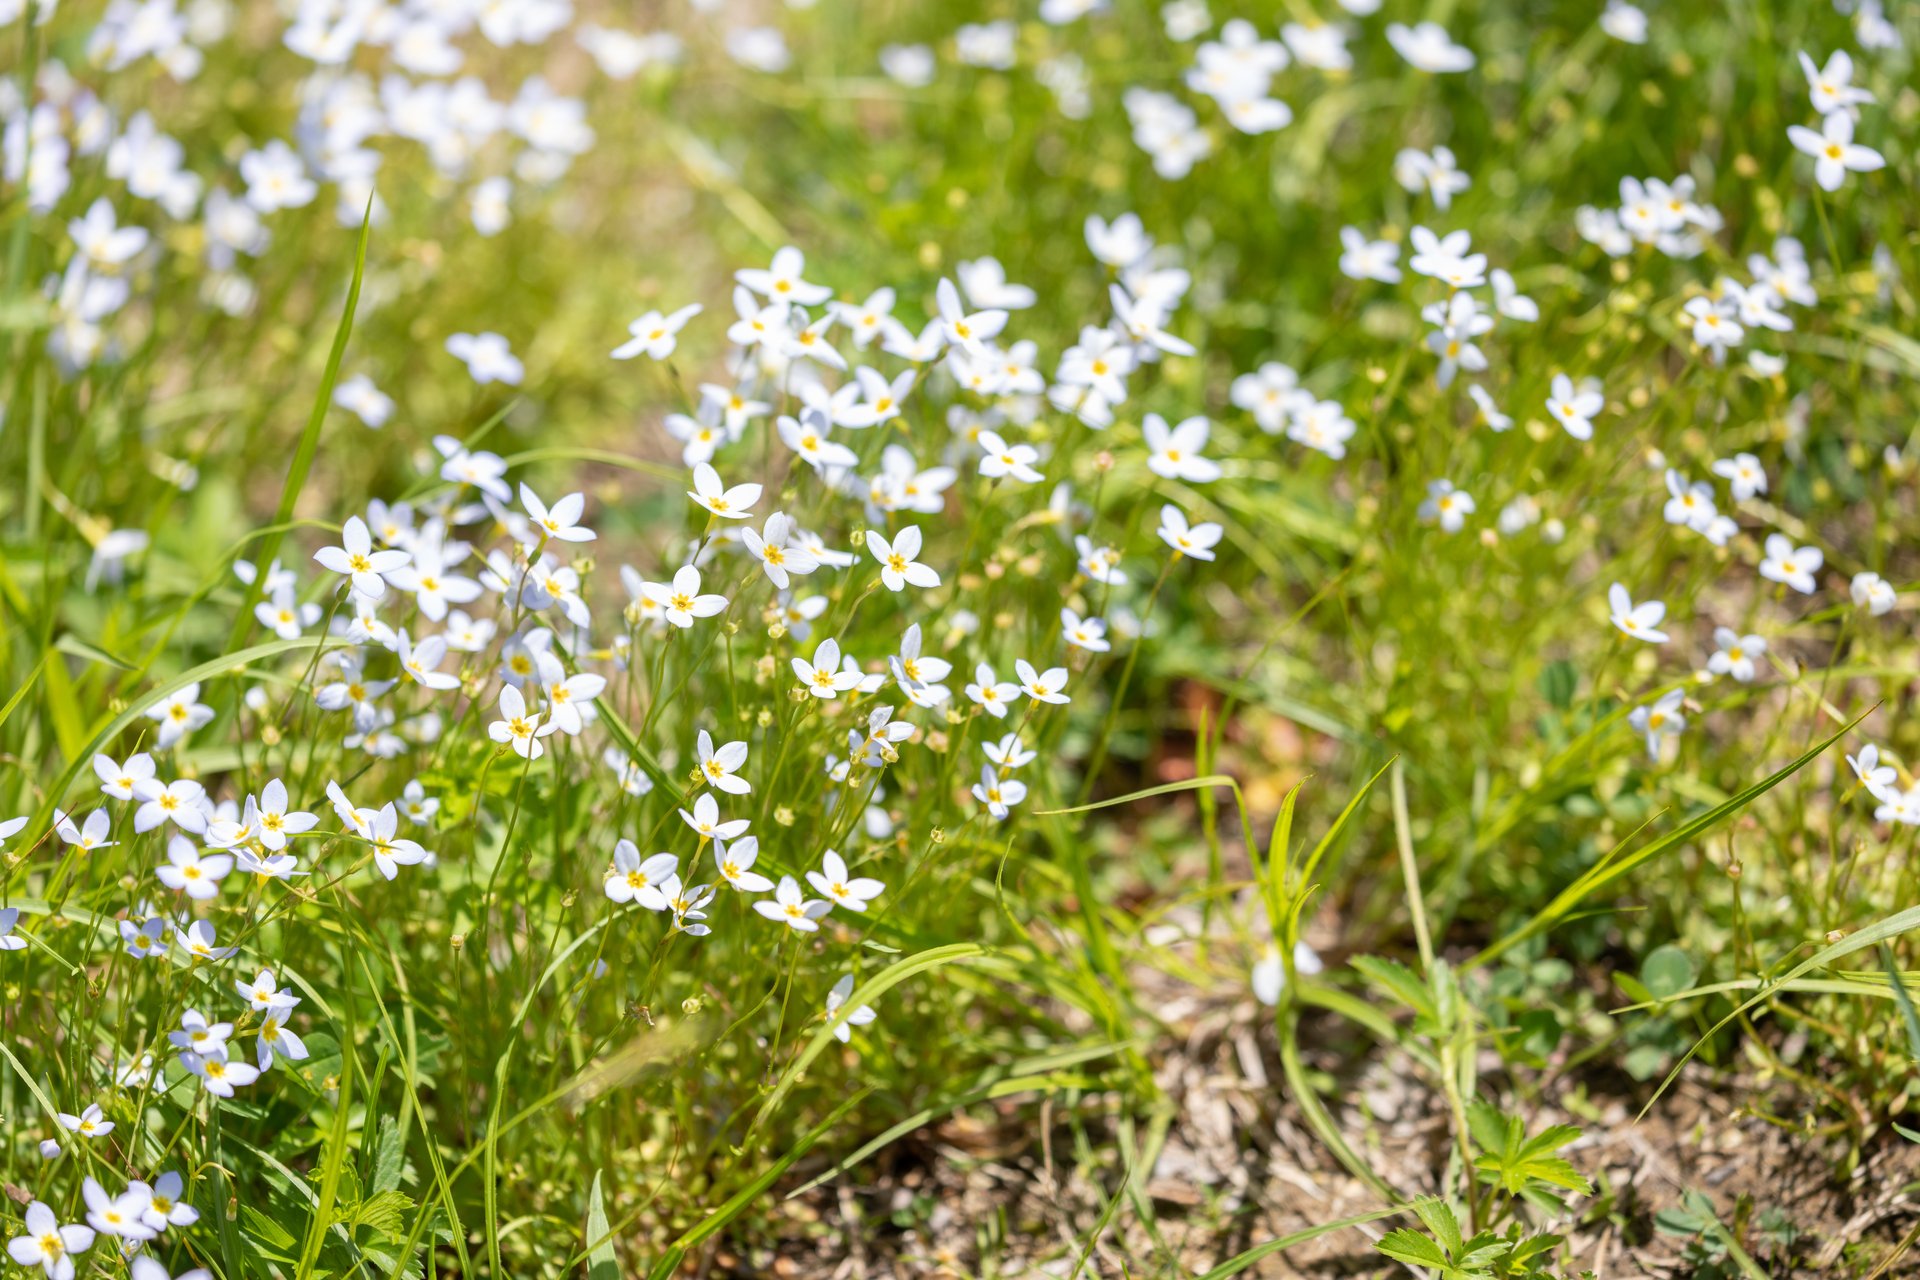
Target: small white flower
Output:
[(844, 1023), (717, 765), (710, 494), (792, 908), (1873, 593), (1574, 409), (1640, 621), (1197, 540), (1659, 720), (654, 335), (1835, 152), (1447, 506), (1734, 654), (834, 883), (899, 563), (1791, 565)]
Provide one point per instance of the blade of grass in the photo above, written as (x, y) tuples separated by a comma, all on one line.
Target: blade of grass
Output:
[(1611, 869), (1241, 1261), (669, 1262), (1879, 931), (303, 454)]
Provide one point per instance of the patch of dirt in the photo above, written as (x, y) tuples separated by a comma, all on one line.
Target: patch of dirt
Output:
[(1019, 1188)]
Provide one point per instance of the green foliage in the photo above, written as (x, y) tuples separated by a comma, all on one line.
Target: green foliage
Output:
[(510, 1073)]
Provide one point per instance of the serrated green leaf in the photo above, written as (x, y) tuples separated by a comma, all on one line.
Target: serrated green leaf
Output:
[(1397, 982), (1406, 1245)]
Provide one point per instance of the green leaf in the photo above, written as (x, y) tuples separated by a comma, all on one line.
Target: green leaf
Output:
[(383, 1212), (1188, 784), (1409, 1246), (1241, 1261), (389, 1158), (73, 644), (1908, 1017), (1439, 1219), (602, 1264), (1558, 681), (266, 1232), (1397, 982), (1611, 868), (1667, 972), (301, 464)]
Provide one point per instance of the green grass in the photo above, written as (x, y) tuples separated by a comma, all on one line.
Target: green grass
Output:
[(1412, 748)]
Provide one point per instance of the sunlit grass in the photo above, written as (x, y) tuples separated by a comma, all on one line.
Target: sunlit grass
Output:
[(1216, 591)]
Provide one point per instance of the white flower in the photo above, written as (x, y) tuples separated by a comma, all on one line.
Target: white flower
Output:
[(1879, 778), (681, 601), (717, 765), (1269, 977), (561, 520), (705, 820), (358, 396), (792, 908), (781, 281), (1641, 621), (518, 728), (634, 879), (178, 716), (190, 872), (218, 1076), (1364, 259), (1830, 87), (1689, 504), (355, 557), (1003, 459), (1008, 753), (968, 331), (87, 837), (1744, 475), (1624, 22), (1872, 592), (182, 802), (777, 558), (729, 504), (389, 852), (1175, 452), (49, 1245), (1047, 686), (1427, 47), (1084, 633), (735, 862), (198, 940), (488, 358), (1574, 410), (118, 1216), (824, 677), (832, 881), (999, 795), (899, 563), (90, 1123), (1714, 325), (1509, 301), (843, 1023), (1197, 540), (1659, 720), (1734, 654), (993, 695), (1834, 150), (654, 335), (1487, 411), (1794, 566), (1447, 506)]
